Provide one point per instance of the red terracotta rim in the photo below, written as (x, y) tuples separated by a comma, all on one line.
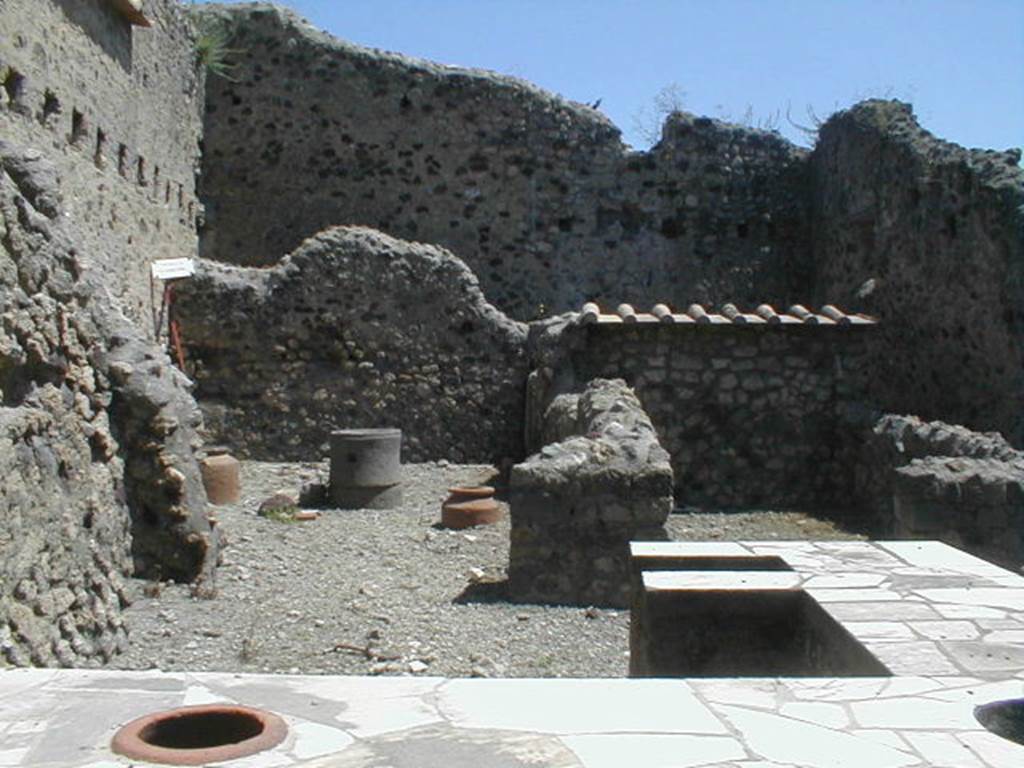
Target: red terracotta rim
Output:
[(467, 514), (209, 733), (472, 490)]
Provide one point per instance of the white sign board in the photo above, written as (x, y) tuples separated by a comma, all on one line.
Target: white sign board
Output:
[(171, 269)]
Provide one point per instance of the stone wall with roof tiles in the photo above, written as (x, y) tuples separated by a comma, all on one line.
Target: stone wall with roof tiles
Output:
[(752, 416)]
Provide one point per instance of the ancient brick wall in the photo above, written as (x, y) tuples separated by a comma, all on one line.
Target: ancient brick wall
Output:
[(355, 330), (536, 194), (117, 108), (751, 415), (929, 237)]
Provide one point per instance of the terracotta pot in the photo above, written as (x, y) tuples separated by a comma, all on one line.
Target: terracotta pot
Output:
[(198, 735), (466, 507), (221, 478)]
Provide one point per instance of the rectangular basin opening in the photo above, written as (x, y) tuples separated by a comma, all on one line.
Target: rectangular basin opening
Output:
[(747, 632)]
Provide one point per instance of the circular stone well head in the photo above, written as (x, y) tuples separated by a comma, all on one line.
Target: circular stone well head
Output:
[(210, 733), (1003, 718)]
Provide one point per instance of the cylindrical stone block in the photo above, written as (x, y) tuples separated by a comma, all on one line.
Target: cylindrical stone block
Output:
[(221, 478), (366, 468)]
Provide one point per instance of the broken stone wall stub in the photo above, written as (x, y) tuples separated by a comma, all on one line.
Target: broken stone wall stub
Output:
[(577, 504), (927, 480)]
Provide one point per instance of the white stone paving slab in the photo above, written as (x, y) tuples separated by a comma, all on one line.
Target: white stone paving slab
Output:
[(992, 597), (943, 750), (946, 630), (732, 581), (688, 549), (315, 740), (799, 743), (919, 657), (913, 714), (880, 630), (653, 751), (830, 715), (845, 580), (577, 706)]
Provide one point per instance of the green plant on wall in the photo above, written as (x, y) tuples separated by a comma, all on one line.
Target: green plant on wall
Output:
[(212, 50)]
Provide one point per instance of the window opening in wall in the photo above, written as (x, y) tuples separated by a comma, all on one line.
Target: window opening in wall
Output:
[(14, 87), (181, 195), (122, 159), (167, 193), (156, 180), (140, 171), (101, 143), (77, 126), (51, 107)]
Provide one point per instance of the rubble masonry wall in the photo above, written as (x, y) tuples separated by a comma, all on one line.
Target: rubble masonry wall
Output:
[(929, 237), (536, 194)]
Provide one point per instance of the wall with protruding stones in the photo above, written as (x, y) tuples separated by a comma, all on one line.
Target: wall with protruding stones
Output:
[(751, 415), (117, 109), (97, 441), (536, 194), (355, 329), (929, 237)]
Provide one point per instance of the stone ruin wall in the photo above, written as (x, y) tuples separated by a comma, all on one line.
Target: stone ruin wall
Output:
[(97, 441), (100, 124), (355, 329), (118, 110), (940, 231), (541, 200), (751, 415), (537, 195)]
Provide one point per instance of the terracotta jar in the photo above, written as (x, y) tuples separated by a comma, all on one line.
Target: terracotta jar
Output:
[(221, 478), (466, 507)]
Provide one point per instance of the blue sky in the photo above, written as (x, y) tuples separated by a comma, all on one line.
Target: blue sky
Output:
[(960, 62)]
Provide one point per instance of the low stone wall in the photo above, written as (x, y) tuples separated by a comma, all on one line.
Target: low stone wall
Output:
[(355, 330), (96, 442), (931, 480), (577, 504), (750, 414)]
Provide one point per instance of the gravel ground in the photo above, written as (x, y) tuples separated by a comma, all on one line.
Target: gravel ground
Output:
[(390, 592)]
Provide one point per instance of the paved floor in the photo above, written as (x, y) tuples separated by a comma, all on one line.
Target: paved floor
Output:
[(950, 628)]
